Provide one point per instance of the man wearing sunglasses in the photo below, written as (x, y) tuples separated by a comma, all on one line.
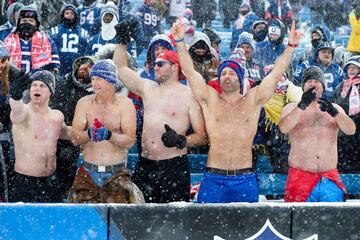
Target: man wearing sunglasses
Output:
[(162, 171), (29, 47), (231, 121)]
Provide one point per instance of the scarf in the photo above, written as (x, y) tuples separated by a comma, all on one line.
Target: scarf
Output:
[(354, 100)]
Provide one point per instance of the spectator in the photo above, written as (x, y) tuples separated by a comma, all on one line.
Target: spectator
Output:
[(76, 85), (35, 143), (229, 10), (254, 71), (162, 171), (229, 175), (70, 38), (177, 8), (105, 136), (354, 19), (201, 52), (29, 47), (150, 20), (204, 12), (259, 30), (313, 176), (214, 39), (347, 96), (11, 13), (243, 24), (88, 13), (323, 58), (278, 9)]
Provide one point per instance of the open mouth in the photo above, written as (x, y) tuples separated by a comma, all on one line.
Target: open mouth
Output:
[(37, 95)]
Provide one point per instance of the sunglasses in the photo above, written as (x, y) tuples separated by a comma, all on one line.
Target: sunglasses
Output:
[(161, 63), (4, 59)]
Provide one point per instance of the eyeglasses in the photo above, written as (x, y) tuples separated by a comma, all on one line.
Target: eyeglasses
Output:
[(4, 59), (161, 63)]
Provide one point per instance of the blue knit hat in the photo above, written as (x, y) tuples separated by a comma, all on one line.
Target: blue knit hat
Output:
[(106, 70), (246, 38), (240, 71), (3, 50)]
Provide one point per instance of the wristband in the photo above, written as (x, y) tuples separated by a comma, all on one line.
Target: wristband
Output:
[(293, 45), (180, 40)]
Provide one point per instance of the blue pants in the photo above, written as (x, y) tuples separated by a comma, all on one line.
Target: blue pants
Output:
[(217, 188), (99, 178), (326, 191)]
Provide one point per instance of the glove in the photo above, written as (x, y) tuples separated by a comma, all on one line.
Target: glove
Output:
[(306, 98), (326, 106), (125, 30), (171, 139), (18, 86), (99, 133)]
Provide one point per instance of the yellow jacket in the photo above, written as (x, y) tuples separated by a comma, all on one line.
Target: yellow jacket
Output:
[(354, 41)]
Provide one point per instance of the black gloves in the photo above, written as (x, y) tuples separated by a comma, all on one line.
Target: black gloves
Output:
[(126, 29), (18, 86), (326, 106), (171, 139), (306, 98)]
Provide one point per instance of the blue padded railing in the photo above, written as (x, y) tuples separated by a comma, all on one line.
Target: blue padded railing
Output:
[(269, 183)]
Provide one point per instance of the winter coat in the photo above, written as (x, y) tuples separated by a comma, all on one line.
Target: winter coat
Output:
[(354, 41)]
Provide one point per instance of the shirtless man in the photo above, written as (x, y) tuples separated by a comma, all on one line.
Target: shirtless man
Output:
[(313, 125), (36, 130), (162, 171), (231, 122), (104, 126)]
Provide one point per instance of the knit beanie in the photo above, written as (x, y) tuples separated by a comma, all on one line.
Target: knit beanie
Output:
[(3, 50), (106, 70), (354, 60), (240, 72), (313, 72), (46, 77), (246, 38)]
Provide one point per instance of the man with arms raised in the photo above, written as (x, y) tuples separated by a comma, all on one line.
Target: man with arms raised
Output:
[(36, 130), (231, 121), (104, 126), (313, 125), (162, 171)]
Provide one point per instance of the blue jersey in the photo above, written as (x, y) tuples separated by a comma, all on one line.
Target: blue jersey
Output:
[(71, 44), (26, 62), (150, 20), (88, 16), (333, 75)]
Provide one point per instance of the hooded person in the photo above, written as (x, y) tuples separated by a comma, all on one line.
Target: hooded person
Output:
[(259, 30), (201, 52), (29, 47), (69, 37), (109, 18), (11, 15), (214, 39), (269, 50), (347, 96), (323, 58)]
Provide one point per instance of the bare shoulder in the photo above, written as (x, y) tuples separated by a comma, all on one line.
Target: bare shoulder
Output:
[(86, 100), (288, 108), (57, 115), (124, 102)]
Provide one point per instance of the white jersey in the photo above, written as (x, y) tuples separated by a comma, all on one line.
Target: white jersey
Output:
[(177, 7)]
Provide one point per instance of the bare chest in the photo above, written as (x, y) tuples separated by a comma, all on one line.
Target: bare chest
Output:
[(316, 119), (108, 115), (42, 128)]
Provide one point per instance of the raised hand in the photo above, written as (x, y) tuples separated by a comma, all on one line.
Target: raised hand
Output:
[(178, 29), (18, 86), (306, 98), (171, 139), (125, 30), (294, 35), (326, 106)]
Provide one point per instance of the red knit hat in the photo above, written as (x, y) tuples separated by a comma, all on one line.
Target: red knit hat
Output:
[(173, 57)]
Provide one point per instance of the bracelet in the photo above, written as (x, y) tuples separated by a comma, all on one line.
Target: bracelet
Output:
[(180, 40), (293, 45)]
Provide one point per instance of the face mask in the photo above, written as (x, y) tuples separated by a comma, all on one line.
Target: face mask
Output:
[(244, 12), (260, 35), (26, 30), (68, 22), (315, 43)]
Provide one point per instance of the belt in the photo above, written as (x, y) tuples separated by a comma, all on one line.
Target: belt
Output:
[(224, 172), (102, 168)]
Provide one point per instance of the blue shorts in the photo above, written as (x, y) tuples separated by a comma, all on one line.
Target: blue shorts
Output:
[(326, 191), (217, 188)]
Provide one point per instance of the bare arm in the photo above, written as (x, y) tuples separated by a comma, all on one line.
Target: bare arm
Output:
[(267, 87), (199, 137), (345, 123), (66, 132), (290, 117), (127, 76), (18, 111), (128, 126), (79, 134), (197, 83)]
